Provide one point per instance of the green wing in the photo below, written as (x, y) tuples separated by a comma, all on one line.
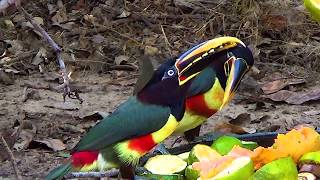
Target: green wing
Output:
[(202, 83), (131, 119)]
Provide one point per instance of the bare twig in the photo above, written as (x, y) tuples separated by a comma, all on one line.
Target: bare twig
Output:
[(109, 173), (12, 159), (65, 75), (169, 46)]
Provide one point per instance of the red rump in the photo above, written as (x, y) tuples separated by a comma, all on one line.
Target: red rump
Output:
[(82, 158), (142, 144), (198, 105)]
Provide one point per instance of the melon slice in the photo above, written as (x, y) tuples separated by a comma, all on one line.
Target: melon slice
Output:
[(165, 165)]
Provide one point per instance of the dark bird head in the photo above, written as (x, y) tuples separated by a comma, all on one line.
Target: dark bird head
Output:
[(227, 56)]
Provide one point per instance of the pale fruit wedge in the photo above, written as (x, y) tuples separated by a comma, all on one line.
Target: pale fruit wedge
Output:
[(184, 156), (165, 165), (240, 168)]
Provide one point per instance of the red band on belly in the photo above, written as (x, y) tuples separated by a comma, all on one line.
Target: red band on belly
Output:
[(142, 144), (198, 105)]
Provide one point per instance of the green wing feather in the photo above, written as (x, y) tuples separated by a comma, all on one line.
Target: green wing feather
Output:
[(133, 118)]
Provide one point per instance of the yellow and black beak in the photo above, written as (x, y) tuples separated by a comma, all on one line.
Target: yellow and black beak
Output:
[(235, 69), (190, 63)]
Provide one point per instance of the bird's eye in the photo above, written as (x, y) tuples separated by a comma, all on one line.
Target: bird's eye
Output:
[(170, 72)]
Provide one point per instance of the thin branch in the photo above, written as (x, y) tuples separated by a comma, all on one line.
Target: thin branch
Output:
[(12, 159), (112, 172), (65, 75), (166, 40)]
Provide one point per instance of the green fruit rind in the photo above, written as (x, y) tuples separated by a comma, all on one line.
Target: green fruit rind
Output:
[(249, 145), (311, 157), (240, 168), (313, 6), (283, 168), (224, 144), (191, 174), (166, 165), (160, 177)]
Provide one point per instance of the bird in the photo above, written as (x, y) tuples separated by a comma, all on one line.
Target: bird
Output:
[(215, 85), (155, 111)]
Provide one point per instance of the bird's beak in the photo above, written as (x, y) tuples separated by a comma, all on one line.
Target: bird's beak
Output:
[(235, 69), (190, 63)]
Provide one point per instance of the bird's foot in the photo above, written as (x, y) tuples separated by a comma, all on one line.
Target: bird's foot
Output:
[(161, 149)]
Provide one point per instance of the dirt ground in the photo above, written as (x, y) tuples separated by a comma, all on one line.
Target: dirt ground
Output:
[(102, 50)]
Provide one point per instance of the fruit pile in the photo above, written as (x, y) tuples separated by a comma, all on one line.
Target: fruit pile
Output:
[(294, 155)]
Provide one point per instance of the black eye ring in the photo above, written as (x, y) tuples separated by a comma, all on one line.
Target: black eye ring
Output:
[(170, 72)]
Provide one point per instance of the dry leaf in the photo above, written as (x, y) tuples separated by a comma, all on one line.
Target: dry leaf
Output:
[(295, 97), (302, 97), (281, 95), (54, 144), (277, 85), (39, 58), (230, 128), (122, 59), (312, 113), (241, 119)]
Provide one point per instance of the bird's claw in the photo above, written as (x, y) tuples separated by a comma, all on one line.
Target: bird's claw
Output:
[(161, 149)]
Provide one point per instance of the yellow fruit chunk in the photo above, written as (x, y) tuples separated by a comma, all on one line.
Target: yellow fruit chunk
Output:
[(294, 144), (202, 152)]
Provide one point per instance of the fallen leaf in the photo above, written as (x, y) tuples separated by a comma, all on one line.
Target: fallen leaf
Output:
[(54, 144), (10, 136), (312, 112), (40, 57), (230, 128), (281, 95), (302, 97), (241, 119), (124, 14), (5, 78), (122, 59), (277, 85), (98, 39), (295, 97)]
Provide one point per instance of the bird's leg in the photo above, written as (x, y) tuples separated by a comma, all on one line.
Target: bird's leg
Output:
[(161, 149), (177, 140), (126, 172), (192, 133)]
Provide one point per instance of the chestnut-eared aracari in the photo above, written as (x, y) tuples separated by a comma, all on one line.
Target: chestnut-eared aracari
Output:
[(178, 90)]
